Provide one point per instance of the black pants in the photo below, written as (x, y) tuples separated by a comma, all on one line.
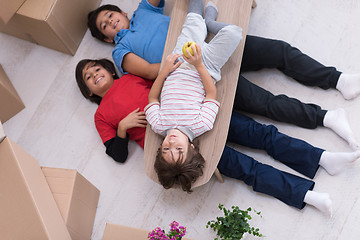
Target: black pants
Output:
[(262, 53)]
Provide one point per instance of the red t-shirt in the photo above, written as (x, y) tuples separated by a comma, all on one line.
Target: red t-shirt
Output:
[(126, 94)]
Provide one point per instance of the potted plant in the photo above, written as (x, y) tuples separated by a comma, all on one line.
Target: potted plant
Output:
[(234, 224), (176, 232)]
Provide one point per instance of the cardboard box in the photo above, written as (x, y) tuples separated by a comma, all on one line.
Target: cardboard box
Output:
[(8, 9), (2, 133), (10, 102), (76, 198), (56, 24), (120, 232), (28, 209)]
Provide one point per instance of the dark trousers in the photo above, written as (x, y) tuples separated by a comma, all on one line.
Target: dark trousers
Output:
[(262, 53), (295, 153)]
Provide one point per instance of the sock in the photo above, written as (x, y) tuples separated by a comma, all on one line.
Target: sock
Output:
[(349, 85), (337, 121), (211, 13), (335, 162), (196, 6), (321, 201)]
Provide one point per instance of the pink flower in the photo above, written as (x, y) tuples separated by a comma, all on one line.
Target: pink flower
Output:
[(176, 232)]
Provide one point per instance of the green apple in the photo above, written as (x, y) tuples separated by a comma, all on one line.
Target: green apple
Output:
[(187, 46)]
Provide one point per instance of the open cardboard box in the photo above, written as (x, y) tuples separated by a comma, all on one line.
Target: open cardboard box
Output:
[(42, 203), (28, 209), (120, 232), (56, 24), (76, 198), (10, 102)]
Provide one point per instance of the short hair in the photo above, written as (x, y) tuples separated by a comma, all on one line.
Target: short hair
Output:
[(180, 173), (105, 63), (92, 16)]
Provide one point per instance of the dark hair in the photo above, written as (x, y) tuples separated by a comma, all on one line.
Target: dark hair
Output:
[(92, 16), (180, 173), (105, 63)]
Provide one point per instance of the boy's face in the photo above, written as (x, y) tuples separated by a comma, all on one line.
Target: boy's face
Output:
[(175, 144), (97, 79), (111, 22)]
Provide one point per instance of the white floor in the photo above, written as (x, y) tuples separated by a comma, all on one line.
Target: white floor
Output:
[(57, 129)]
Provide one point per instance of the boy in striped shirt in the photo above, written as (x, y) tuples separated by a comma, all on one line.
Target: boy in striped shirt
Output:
[(188, 105)]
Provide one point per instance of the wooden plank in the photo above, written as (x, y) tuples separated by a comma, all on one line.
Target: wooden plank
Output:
[(213, 142)]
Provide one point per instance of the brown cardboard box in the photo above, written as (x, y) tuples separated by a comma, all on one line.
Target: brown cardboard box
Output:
[(56, 24), (8, 9), (76, 199), (28, 209), (2, 133), (10, 102), (120, 232)]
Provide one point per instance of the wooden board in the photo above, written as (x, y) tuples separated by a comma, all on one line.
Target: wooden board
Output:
[(213, 142)]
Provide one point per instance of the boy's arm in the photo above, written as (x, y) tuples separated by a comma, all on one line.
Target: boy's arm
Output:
[(168, 67), (155, 3), (136, 65), (208, 82)]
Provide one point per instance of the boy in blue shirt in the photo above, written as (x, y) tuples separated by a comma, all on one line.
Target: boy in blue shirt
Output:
[(142, 37)]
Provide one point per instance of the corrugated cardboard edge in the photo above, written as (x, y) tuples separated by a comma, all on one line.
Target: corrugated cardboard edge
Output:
[(8, 85), (2, 132)]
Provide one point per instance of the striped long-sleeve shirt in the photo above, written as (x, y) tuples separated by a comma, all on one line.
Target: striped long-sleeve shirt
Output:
[(183, 104)]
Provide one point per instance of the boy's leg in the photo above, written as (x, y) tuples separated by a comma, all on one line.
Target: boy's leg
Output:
[(267, 53), (196, 6), (194, 29), (211, 13), (220, 48), (295, 153), (256, 100), (286, 187)]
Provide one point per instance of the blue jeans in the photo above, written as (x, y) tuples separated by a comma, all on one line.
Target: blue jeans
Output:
[(295, 153)]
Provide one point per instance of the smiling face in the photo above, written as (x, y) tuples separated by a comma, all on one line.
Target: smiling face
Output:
[(111, 22), (175, 146), (97, 79)]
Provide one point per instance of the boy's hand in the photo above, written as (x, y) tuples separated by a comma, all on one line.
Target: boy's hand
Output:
[(195, 59), (134, 119), (170, 65)]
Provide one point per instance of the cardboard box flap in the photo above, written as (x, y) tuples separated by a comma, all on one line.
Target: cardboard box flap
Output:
[(2, 133), (10, 102), (77, 199), (27, 206), (36, 9), (6, 84), (8, 9)]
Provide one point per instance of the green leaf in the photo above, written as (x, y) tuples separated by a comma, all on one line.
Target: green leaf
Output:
[(234, 223)]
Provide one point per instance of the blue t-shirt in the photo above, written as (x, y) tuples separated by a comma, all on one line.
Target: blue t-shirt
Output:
[(146, 36)]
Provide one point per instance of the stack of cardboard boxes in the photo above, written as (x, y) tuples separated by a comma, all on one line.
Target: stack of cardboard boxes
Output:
[(56, 24), (42, 203)]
